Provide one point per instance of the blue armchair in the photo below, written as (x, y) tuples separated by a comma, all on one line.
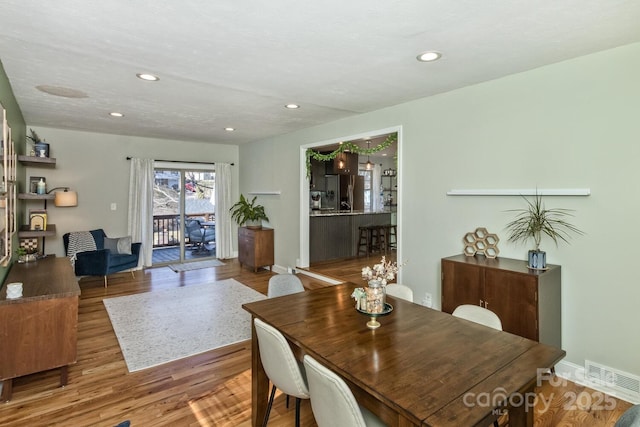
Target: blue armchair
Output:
[(104, 260)]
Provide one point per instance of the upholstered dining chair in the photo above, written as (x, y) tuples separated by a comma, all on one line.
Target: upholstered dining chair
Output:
[(481, 315), (281, 366), (400, 291), (199, 236), (284, 284), (478, 314), (332, 402), (630, 418)]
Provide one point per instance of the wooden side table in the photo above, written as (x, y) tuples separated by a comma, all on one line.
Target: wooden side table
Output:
[(255, 247), (38, 331)]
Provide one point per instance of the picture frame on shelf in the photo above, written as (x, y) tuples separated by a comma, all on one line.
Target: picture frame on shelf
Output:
[(33, 183), (37, 220)]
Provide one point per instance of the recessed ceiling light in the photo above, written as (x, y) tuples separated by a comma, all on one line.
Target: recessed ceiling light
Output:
[(116, 114), (229, 129), (292, 106), (429, 56), (148, 77)]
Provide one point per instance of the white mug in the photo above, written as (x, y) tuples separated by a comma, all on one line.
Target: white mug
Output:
[(14, 290)]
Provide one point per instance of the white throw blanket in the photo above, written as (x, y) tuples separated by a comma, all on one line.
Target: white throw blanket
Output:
[(80, 241)]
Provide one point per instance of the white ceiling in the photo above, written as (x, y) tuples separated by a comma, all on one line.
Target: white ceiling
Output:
[(238, 62)]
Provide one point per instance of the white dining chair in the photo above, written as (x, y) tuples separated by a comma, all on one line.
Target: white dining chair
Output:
[(630, 418), (281, 366), (478, 314), (332, 402), (481, 315), (284, 284), (400, 291)]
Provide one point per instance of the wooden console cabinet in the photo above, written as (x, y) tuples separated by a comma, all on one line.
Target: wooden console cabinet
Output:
[(38, 331), (255, 247), (528, 302)]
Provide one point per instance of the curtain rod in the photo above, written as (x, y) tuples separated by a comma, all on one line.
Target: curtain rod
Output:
[(185, 161)]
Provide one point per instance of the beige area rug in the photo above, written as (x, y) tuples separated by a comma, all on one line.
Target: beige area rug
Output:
[(188, 266), (158, 327)]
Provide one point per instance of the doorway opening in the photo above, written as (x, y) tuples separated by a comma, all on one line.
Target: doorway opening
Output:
[(382, 192), (183, 215)]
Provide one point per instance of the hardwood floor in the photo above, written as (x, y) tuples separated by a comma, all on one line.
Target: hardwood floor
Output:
[(209, 389), (349, 270)]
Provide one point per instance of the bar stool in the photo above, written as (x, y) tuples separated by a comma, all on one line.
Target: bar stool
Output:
[(378, 238), (364, 240), (383, 233), (392, 237)]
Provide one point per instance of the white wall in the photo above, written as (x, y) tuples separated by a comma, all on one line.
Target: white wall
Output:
[(569, 125), (95, 166)]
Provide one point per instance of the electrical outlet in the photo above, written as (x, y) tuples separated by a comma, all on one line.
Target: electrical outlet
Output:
[(289, 270), (114, 206), (428, 300)]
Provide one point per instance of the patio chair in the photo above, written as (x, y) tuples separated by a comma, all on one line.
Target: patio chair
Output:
[(199, 236)]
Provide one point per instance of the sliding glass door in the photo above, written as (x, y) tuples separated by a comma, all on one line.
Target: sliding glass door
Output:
[(183, 215)]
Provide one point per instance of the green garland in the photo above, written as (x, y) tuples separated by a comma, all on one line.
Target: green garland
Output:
[(350, 147)]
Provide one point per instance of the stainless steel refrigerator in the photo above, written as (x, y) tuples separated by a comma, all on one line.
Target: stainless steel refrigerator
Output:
[(336, 192)]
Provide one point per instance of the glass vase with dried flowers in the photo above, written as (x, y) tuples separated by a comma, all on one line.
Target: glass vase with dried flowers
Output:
[(377, 278)]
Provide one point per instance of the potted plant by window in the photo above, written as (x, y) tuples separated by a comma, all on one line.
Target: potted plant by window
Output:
[(249, 213), (536, 220)]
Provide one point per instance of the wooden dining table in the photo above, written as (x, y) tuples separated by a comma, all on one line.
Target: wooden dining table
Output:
[(421, 367)]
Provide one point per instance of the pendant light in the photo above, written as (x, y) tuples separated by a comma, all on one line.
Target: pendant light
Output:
[(369, 165)]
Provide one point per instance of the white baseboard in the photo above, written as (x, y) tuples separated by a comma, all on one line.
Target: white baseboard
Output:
[(575, 373), (279, 269), (283, 270), (319, 277)]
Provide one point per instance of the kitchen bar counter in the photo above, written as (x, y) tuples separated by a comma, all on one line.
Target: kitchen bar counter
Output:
[(334, 235), (333, 212)]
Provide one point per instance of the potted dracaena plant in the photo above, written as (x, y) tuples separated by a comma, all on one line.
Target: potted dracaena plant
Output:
[(248, 212), (535, 221)]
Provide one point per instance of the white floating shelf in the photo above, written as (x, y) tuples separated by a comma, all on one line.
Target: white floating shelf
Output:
[(265, 193), (523, 192)]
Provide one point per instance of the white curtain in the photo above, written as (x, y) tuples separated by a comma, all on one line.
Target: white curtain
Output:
[(376, 187), (224, 230), (141, 180)]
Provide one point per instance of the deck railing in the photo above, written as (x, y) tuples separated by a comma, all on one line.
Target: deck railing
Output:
[(166, 229)]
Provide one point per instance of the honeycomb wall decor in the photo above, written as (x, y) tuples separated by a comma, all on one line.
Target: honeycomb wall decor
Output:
[(481, 242)]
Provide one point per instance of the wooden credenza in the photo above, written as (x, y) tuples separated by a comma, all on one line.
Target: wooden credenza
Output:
[(38, 331), (528, 302), (255, 247)]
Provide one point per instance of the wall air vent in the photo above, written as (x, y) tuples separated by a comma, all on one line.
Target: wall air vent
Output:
[(615, 380)]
